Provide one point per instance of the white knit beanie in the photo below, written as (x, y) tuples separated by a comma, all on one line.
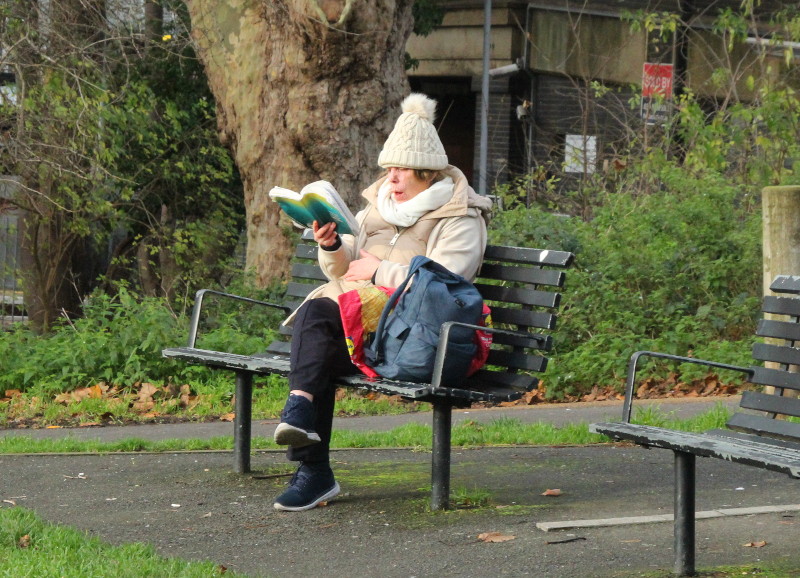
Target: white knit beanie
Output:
[(414, 143)]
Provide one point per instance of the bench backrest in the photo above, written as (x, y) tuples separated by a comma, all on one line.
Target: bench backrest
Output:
[(521, 286), (780, 355)]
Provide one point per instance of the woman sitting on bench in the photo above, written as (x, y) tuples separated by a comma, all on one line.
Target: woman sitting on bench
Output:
[(421, 206)]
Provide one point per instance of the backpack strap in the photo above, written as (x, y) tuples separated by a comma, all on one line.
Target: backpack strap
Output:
[(377, 345)]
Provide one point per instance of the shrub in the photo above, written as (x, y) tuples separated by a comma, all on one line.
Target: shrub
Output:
[(674, 270)]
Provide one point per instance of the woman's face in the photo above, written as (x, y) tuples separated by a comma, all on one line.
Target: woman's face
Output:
[(404, 184)]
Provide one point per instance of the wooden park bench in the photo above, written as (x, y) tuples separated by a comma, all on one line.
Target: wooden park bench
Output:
[(520, 285), (758, 434)]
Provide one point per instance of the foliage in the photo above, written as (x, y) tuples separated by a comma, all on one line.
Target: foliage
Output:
[(118, 341), (677, 270), (667, 238), (114, 140), (186, 201)]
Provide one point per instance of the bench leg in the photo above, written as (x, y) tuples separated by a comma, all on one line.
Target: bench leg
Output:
[(440, 466), (242, 422), (684, 513)]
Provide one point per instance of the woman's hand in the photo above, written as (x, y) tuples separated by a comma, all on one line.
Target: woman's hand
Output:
[(362, 269), (326, 234)]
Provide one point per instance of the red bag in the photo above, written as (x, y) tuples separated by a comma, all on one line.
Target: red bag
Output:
[(361, 309)]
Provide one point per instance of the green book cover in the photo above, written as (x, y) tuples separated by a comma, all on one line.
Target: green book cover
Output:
[(317, 201)]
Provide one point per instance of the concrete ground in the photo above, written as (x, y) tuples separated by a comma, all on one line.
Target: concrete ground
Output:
[(193, 506)]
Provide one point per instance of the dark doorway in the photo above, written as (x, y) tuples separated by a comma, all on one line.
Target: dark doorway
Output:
[(455, 117)]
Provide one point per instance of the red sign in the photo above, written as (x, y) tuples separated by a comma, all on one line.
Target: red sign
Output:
[(657, 80)]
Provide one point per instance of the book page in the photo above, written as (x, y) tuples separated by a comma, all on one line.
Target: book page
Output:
[(318, 201)]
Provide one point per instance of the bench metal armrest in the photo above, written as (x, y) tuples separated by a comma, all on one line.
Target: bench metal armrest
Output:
[(444, 340), (198, 305), (633, 364)]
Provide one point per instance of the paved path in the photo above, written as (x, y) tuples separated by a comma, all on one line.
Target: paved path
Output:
[(193, 506)]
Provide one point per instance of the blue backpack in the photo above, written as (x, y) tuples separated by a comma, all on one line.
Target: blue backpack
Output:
[(404, 345)]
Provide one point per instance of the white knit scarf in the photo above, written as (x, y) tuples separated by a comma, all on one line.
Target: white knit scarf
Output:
[(407, 213)]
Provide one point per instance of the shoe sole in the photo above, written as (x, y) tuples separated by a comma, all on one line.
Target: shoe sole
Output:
[(289, 435), (329, 495)]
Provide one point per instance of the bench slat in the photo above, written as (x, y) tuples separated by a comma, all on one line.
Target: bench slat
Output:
[(529, 275), (781, 305), (753, 438), (475, 393), (522, 318), (255, 364), (765, 426), (526, 255), (308, 271), (778, 329), (776, 353), (519, 361), (771, 403), (536, 341), (278, 347), (306, 251), (775, 377), (786, 284), (388, 387), (518, 295), (765, 456), (299, 291), (502, 379)]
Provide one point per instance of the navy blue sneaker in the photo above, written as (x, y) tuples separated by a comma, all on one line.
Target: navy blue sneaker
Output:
[(310, 485), (297, 421)]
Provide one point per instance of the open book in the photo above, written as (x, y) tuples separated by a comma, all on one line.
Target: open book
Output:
[(317, 201)]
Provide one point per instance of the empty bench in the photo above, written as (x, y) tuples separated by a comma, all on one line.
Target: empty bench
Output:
[(520, 285), (758, 434)]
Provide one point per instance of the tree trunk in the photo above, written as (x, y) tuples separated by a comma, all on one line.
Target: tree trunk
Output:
[(781, 231), (305, 90)]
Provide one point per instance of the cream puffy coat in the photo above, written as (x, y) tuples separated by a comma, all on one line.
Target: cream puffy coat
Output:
[(454, 235)]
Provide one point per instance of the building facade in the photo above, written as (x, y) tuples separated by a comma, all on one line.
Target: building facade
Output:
[(563, 75)]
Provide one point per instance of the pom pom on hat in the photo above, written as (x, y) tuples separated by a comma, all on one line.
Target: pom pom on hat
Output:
[(414, 142), (421, 105)]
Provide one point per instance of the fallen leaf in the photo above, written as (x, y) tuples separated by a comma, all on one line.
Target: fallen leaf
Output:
[(12, 502), (227, 417), (24, 542), (494, 537), (554, 492), (146, 392), (143, 406), (759, 544)]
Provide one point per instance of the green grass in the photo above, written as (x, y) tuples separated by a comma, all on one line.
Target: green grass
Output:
[(500, 432), (31, 547)]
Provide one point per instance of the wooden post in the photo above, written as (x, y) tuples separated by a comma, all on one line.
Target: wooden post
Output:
[(781, 244)]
